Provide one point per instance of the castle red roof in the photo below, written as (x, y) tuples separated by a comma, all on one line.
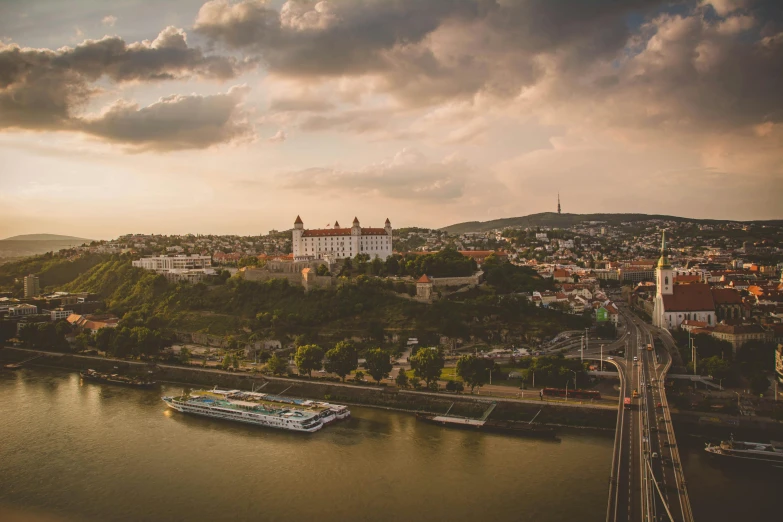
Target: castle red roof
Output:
[(696, 297), (298, 221), (321, 232), (424, 279)]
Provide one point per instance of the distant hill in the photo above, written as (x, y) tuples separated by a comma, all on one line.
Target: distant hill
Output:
[(46, 237), (35, 244), (553, 219)]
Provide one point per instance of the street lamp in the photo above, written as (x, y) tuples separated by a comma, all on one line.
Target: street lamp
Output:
[(572, 371)]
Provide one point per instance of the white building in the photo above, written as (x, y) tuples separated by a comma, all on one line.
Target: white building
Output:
[(22, 309), (338, 243), (32, 286), (181, 262), (60, 314)]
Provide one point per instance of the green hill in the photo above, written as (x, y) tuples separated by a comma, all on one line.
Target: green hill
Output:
[(46, 237), (553, 219), (275, 309)]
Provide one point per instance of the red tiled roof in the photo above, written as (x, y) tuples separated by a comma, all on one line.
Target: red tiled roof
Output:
[(738, 329), (424, 279), (325, 232), (298, 221), (695, 297), (687, 279), (318, 232), (726, 296)]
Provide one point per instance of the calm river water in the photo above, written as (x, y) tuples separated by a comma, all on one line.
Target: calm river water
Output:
[(72, 451)]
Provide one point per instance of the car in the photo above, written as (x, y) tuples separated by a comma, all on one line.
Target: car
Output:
[(655, 455), (610, 358), (321, 371), (635, 358), (659, 405)]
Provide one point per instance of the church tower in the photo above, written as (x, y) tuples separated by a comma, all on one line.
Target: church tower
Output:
[(664, 275), (664, 281)]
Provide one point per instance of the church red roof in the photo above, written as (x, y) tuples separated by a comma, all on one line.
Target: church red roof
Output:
[(726, 296), (695, 297)]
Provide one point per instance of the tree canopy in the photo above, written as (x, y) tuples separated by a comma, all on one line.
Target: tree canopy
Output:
[(309, 357), (378, 363), (474, 370), (342, 359), (427, 364)]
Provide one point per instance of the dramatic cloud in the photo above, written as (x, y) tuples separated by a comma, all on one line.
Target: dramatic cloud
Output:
[(174, 122), (42, 89), (422, 51), (408, 175)]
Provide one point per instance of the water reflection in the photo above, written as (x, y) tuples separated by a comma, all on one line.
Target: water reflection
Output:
[(101, 452)]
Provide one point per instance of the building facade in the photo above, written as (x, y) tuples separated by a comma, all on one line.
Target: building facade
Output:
[(182, 262), (339, 243), (677, 303), (32, 286)]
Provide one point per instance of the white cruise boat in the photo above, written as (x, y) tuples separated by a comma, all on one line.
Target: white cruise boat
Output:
[(261, 413), (327, 412)]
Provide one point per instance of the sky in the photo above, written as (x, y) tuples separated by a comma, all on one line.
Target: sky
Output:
[(234, 117)]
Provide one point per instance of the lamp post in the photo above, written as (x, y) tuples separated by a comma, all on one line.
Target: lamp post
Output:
[(572, 371)]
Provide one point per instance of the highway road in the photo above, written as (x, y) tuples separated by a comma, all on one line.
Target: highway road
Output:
[(647, 483)]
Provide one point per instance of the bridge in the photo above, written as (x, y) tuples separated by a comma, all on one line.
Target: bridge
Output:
[(646, 481)]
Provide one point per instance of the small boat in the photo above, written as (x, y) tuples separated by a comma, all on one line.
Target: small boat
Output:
[(113, 378), (13, 366)]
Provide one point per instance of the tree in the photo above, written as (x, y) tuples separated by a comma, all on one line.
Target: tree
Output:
[(715, 366), (758, 383), (454, 386), (378, 363), (474, 370), (184, 356), (277, 365), (427, 364), (226, 362), (235, 362), (80, 343), (402, 379), (322, 270), (358, 376), (309, 357), (415, 382), (342, 359), (104, 339)]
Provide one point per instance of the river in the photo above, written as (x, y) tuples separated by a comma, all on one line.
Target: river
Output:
[(73, 451)]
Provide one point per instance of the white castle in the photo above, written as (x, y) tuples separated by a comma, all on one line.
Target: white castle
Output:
[(338, 243)]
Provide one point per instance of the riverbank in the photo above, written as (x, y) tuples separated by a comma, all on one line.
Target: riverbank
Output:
[(561, 414)]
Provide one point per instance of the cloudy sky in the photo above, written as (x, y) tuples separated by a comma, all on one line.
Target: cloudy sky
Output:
[(235, 116)]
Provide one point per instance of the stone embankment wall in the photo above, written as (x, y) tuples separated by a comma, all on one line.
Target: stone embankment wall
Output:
[(371, 395)]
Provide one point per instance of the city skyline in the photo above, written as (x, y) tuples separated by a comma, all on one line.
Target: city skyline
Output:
[(196, 119)]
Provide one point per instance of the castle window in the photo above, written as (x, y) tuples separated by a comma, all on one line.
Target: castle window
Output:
[(667, 280)]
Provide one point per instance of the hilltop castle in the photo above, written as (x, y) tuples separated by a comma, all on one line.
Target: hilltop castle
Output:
[(338, 243)]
